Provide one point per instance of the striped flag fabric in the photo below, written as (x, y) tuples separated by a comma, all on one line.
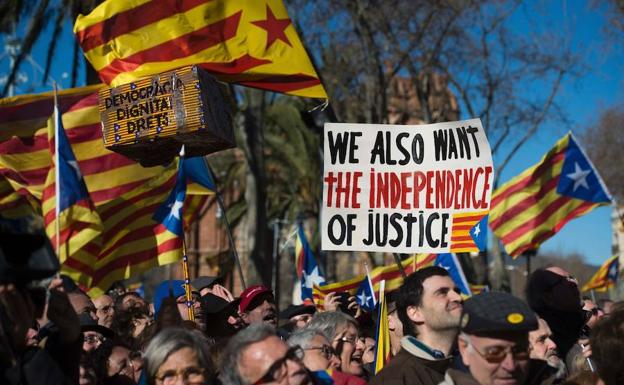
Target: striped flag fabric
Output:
[(390, 273), (382, 333), (469, 232), (251, 43), (536, 204), (124, 193), (74, 210), (606, 276)]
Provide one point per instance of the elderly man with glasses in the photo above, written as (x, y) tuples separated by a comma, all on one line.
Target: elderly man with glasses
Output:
[(258, 356), (494, 343)]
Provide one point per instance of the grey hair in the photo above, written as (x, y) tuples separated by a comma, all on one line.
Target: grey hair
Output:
[(169, 341), (304, 336), (330, 322), (230, 373)]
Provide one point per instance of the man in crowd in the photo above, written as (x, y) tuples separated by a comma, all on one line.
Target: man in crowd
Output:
[(542, 347), (430, 308), (395, 326), (257, 305), (607, 342), (299, 316), (494, 342), (318, 352), (105, 310), (606, 305), (221, 317), (257, 356), (82, 304)]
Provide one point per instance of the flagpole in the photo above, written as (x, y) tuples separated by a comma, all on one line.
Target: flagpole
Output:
[(370, 283), (57, 174), (397, 260), (187, 282), (227, 227)]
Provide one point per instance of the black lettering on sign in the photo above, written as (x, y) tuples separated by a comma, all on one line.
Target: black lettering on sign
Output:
[(338, 146), (345, 230)]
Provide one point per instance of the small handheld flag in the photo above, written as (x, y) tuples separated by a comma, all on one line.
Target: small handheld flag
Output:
[(170, 212), (365, 295), (382, 335), (307, 269)]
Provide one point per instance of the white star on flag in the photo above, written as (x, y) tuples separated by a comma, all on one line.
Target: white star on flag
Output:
[(74, 165), (477, 230), (313, 278), (579, 176), (176, 208), (364, 298)]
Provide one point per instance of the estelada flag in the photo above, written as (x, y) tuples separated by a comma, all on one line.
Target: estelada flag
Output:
[(124, 193), (605, 277), (251, 43), (536, 204)]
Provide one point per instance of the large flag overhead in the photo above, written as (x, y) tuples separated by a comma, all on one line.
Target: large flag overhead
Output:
[(251, 43), (124, 193), (308, 270), (536, 204), (606, 276)]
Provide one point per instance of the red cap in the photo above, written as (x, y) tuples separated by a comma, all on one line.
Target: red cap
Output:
[(249, 294)]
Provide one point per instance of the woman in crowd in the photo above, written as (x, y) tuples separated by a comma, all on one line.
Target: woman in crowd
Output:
[(179, 354)]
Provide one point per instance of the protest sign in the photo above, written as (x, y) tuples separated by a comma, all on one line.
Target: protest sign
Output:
[(406, 189)]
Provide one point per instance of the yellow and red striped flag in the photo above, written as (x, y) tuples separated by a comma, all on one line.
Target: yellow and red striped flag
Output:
[(251, 43), (382, 334), (390, 273), (125, 194), (606, 276), (536, 204)]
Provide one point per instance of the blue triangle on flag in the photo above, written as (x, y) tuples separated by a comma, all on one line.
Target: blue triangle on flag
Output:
[(449, 262), (72, 188), (170, 212), (365, 296), (579, 178), (311, 273), (478, 233)]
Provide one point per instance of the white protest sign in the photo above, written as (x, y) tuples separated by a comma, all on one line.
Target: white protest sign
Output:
[(406, 189)]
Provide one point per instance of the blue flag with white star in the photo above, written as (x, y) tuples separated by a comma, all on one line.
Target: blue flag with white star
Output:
[(478, 233), (449, 262), (310, 272), (365, 296), (170, 212), (578, 178), (196, 170)]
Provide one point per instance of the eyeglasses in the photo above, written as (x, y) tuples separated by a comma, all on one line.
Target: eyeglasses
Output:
[(351, 340), (497, 354), (106, 309), (326, 350), (278, 370), (190, 375), (93, 339)]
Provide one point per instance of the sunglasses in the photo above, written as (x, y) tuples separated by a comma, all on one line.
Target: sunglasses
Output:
[(278, 370), (497, 354), (326, 351)]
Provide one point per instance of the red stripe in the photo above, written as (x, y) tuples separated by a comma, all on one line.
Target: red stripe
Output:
[(537, 220), (236, 66), (132, 19), (460, 239), (525, 204), (27, 178), (78, 265), (461, 228), (463, 246), (73, 231), (471, 218), (283, 83), (136, 258), (137, 234), (546, 167), (42, 108), (183, 46)]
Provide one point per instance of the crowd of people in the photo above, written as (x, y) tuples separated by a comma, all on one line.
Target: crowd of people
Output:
[(62, 336)]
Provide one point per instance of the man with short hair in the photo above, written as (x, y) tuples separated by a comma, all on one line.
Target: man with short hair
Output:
[(257, 305), (258, 356), (105, 310), (82, 304), (318, 351), (494, 343), (395, 326), (542, 347), (607, 342), (429, 307)]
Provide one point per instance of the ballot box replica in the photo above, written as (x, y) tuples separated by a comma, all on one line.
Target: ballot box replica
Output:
[(150, 119)]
